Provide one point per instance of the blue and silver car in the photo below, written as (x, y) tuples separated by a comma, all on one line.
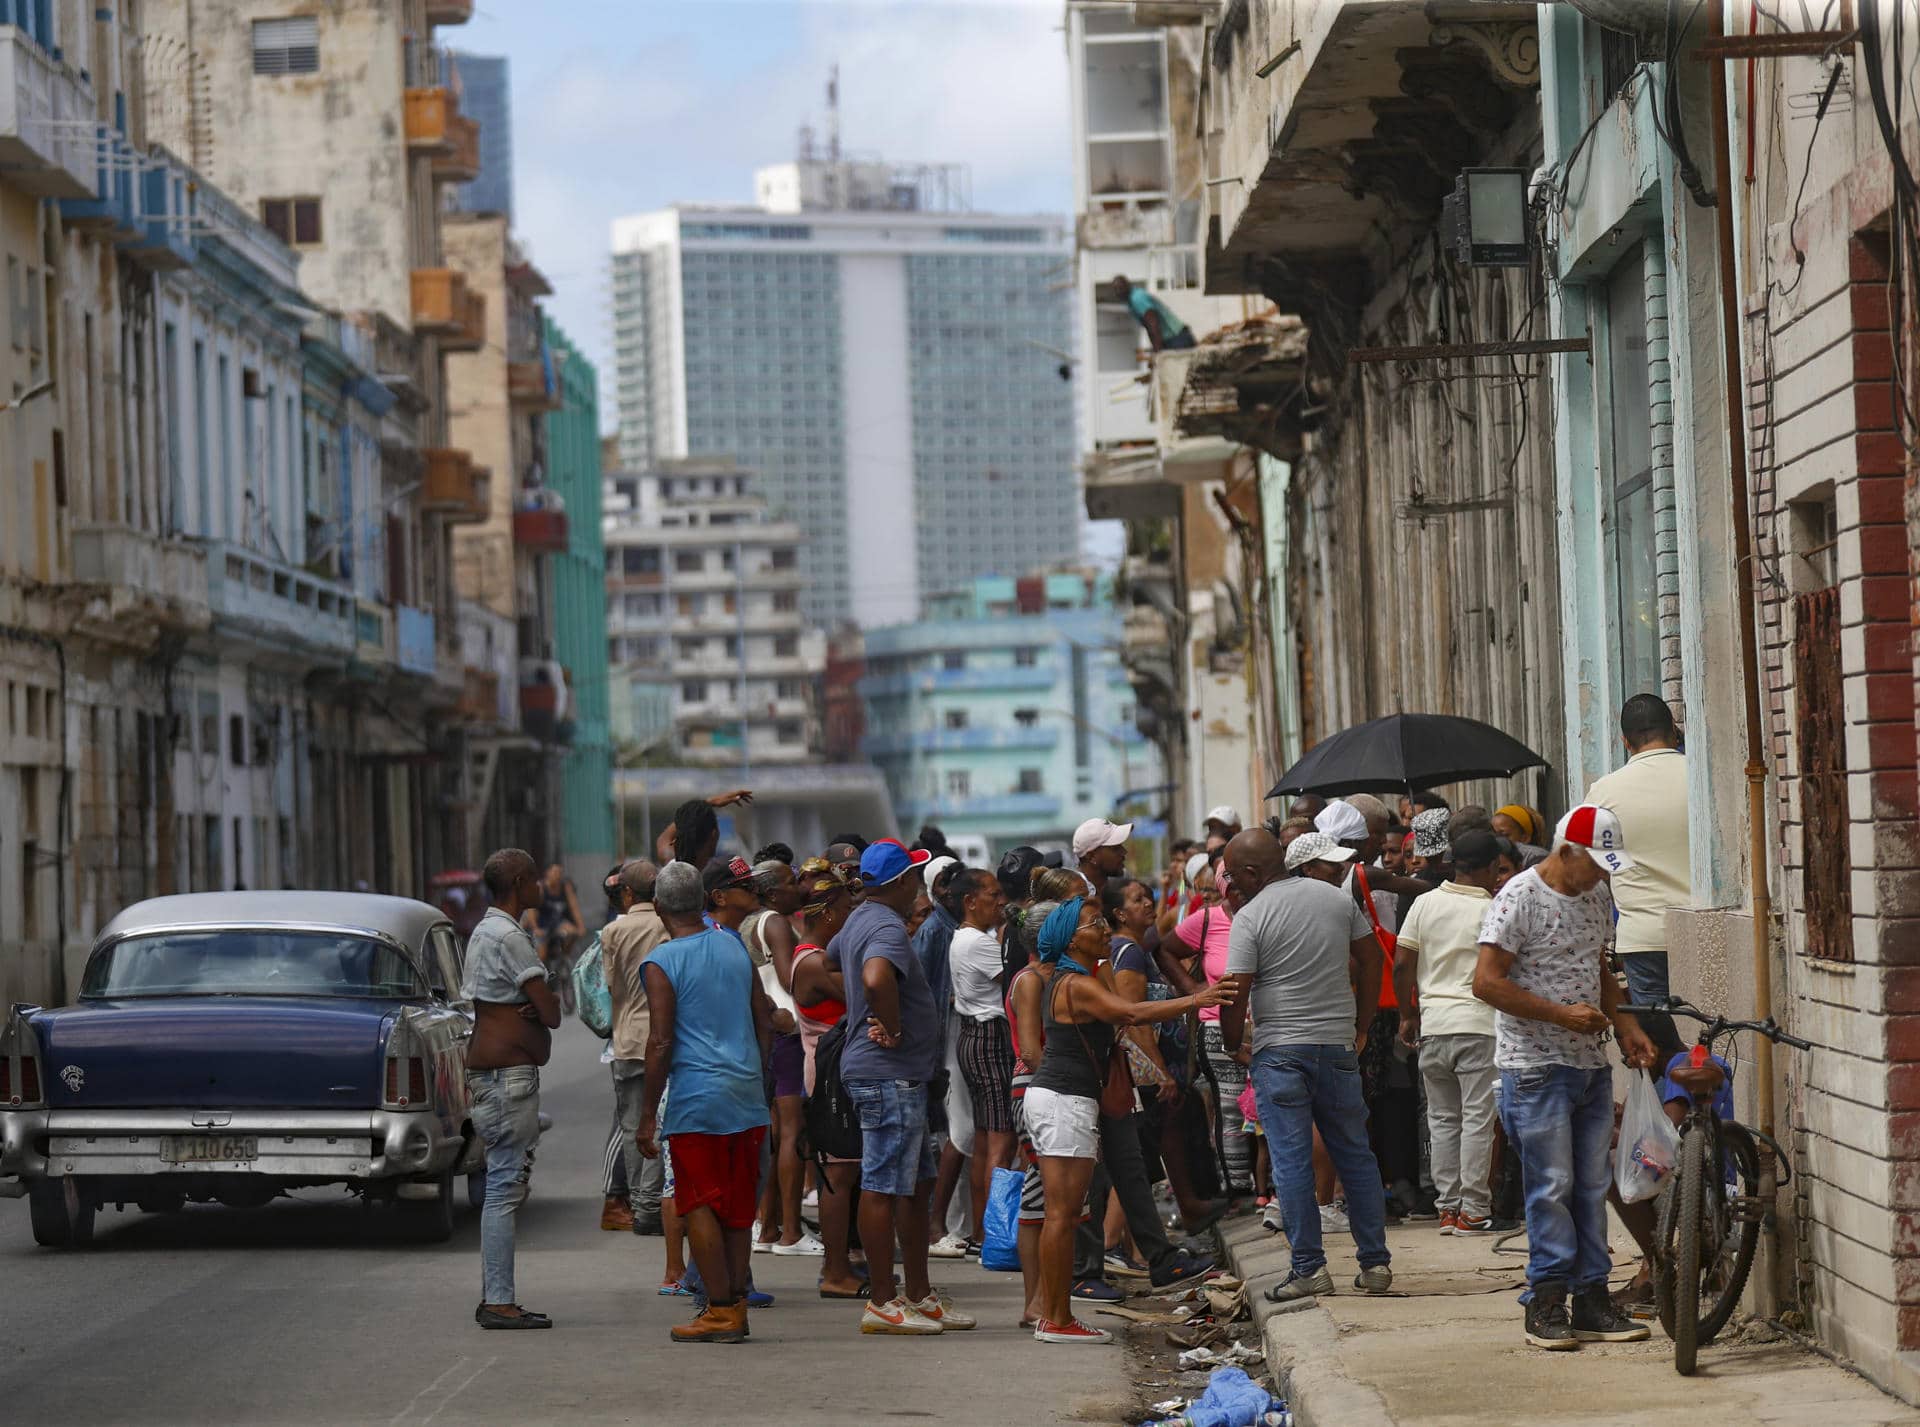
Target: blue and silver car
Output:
[(231, 1046)]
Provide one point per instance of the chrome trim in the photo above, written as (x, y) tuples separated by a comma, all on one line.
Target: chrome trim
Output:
[(341, 1144)]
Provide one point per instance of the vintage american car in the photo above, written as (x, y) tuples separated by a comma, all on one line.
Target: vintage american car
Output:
[(232, 1046)]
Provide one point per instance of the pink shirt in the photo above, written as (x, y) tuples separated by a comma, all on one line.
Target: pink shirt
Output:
[(1218, 922)]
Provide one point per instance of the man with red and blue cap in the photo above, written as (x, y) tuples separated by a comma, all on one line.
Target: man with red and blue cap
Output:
[(1542, 967), (894, 1049)]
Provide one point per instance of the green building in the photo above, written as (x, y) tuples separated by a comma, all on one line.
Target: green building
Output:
[(580, 612)]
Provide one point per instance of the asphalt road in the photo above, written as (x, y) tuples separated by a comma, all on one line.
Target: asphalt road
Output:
[(319, 1312)]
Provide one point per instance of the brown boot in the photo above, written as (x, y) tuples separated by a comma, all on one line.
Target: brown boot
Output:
[(616, 1213), (721, 1323)]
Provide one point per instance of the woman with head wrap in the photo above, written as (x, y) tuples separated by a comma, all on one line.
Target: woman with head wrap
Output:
[(1061, 1108), (1523, 827)]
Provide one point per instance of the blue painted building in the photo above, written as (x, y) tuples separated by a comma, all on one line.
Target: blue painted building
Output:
[(1005, 713)]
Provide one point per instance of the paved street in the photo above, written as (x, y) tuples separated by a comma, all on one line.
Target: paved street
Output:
[(316, 1313)]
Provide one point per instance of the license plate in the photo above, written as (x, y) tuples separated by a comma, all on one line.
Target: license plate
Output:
[(209, 1149)]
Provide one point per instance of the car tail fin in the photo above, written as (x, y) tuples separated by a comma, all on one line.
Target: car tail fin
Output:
[(20, 1080), (405, 1085)]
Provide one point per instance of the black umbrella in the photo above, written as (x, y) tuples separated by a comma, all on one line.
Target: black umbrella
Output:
[(1402, 752)]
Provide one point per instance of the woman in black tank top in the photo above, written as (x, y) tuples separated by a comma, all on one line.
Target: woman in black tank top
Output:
[(1062, 1104)]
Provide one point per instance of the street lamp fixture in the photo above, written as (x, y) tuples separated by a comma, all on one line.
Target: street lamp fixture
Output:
[(1487, 211)]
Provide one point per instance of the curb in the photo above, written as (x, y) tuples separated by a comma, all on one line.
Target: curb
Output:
[(1300, 1340)]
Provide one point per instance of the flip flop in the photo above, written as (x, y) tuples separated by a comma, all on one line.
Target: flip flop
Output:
[(830, 1293)]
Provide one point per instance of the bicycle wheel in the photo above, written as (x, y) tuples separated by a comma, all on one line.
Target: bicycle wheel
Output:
[(1689, 1194), (1730, 1239)]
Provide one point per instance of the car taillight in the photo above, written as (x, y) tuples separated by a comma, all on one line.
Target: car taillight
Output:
[(415, 1092), (30, 1081)]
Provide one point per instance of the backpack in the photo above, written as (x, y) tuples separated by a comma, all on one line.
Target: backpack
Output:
[(592, 1001), (833, 1120)]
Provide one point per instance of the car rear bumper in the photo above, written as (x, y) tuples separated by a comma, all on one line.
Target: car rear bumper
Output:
[(311, 1145)]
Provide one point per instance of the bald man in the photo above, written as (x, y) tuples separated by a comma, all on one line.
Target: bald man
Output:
[(1303, 944)]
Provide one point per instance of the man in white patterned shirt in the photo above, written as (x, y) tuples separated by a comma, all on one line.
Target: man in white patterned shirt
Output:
[(1543, 969)]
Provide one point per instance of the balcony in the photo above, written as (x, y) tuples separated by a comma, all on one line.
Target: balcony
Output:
[(44, 147), (160, 584), (444, 307), (165, 190), (429, 115), (414, 647), (962, 740), (109, 206), (276, 605), (546, 699), (449, 12), (471, 334), (1129, 485), (1244, 385), (541, 527), (528, 386), (453, 487), (372, 637), (479, 697), (1001, 805), (934, 681), (460, 163)]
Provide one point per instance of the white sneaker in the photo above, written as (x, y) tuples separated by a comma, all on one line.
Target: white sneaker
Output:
[(807, 1245), (1333, 1220), (1272, 1220), (950, 1246), (898, 1317), (940, 1309)]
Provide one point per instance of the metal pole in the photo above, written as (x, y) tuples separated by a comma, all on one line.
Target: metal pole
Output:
[(1757, 870)]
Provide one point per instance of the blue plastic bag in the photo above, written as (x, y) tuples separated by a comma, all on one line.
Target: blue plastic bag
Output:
[(1002, 1249)]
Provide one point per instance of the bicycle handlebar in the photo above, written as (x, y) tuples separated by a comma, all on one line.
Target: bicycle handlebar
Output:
[(1769, 1028)]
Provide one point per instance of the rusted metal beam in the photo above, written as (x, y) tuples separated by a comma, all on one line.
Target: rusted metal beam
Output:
[(1444, 351), (1806, 42)]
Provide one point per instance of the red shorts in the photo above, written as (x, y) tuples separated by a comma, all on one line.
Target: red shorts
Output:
[(718, 1172)]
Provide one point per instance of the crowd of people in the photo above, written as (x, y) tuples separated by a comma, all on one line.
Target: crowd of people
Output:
[(1351, 1014)]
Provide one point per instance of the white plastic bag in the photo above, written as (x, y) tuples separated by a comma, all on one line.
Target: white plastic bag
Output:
[(1649, 1144)]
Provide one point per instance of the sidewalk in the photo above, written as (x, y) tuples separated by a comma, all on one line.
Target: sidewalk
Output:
[(1446, 1349)]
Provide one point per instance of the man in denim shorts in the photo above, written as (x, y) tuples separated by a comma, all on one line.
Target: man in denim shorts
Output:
[(514, 1015), (893, 1050)]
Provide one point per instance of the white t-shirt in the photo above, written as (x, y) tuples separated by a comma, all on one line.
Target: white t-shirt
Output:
[(973, 963), (1559, 945), (1444, 927)]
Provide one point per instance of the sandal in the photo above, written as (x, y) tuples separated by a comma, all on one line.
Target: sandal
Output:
[(671, 1288), (826, 1292)]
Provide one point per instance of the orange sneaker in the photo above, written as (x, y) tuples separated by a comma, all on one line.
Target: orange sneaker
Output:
[(1448, 1217)]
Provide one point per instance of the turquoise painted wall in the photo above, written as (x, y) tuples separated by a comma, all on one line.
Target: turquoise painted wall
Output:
[(580, 603)]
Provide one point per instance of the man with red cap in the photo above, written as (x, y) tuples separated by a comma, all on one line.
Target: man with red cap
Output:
[(1542, 968)]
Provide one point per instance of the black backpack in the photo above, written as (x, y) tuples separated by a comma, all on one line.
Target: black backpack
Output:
[(833, 1120)]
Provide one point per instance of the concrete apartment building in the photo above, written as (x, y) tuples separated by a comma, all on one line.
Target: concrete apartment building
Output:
[(1005, 713), (857, 324)]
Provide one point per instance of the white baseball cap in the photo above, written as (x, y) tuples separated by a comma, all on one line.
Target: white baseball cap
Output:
[(1226, 815), (1196, 864), (1315, 847), (936, 867), (1096, 833), (1596, 831), (1341, 821)]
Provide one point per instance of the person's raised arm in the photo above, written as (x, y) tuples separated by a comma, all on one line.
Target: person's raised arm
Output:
[(1103, 1005), (1493, 983), (659, 1057)]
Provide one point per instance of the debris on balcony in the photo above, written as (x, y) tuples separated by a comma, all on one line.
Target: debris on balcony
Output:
[(1247, 382)]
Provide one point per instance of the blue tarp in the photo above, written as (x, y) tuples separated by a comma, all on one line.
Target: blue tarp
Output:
[(1232, 1399)]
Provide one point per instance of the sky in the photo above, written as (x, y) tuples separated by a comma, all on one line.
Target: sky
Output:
[(621, 106)]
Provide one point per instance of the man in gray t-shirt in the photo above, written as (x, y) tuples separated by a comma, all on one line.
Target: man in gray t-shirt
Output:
[(1306, 946)]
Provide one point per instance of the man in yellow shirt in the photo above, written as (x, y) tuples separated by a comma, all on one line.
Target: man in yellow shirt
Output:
[(1649, 796)]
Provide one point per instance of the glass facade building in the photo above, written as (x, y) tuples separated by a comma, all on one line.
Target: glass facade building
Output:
[(898, 382), (486, 98)]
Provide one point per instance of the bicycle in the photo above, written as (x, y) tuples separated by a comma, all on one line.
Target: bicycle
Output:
[(559, 963), (1706, 1235)]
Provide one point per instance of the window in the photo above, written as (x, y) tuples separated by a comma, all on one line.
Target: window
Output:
[(294, 221), (786, 646), (788, 689), (1029, 781), (688, 562), (1026, 656), (290, 46), (1027, 718), (956, 718), (959, 783), (784, 559), (954, 659), (691, 605), (788, 733), (237, 740), (693, 691), (640, 560), (785, 602), (1630, 482)]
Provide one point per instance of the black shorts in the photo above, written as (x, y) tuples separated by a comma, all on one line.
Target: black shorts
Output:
[(985, 1053)]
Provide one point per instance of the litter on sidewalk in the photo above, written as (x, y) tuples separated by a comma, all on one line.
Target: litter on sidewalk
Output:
[(1232, 1399)]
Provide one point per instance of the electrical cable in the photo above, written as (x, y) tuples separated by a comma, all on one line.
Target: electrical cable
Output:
[(1800, 253), (1674, 130)]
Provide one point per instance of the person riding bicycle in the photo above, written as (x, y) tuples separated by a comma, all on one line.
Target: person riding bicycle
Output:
[(556, 922)]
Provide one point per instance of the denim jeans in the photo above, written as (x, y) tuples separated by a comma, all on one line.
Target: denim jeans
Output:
[(506, 1116), (1560, 1120), (896, 1147), (1646, 983), (1298, 1087)]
